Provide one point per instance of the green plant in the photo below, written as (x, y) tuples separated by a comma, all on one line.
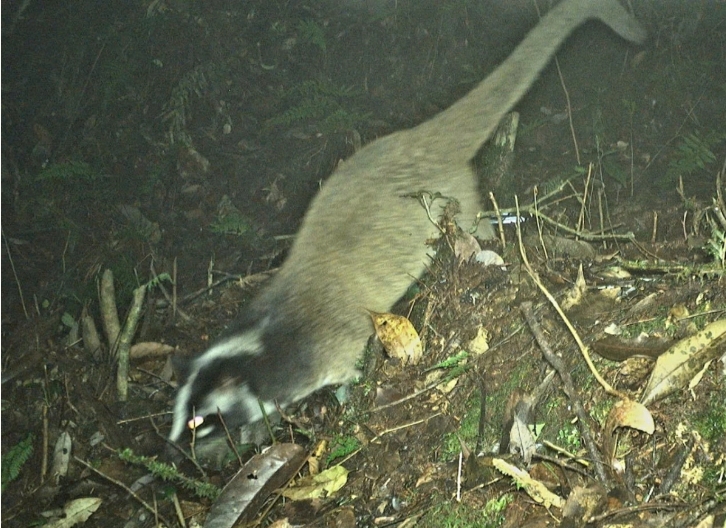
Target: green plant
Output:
[(569, 438), (70, 171), (341, 447), (14, 460), (711, 420), (468, 431), (319, 101), (456, 365), (230, 220), (462, 515), (716, 244), (310, 31), (170, 474), (692, 154), (178, 108)]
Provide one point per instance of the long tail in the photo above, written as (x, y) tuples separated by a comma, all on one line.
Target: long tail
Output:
[(476, 115)]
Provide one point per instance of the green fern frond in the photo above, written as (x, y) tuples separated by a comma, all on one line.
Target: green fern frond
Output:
[(310, 31), (169, 473), (320, 101), (692, 154), (71, 171), (15, 459)]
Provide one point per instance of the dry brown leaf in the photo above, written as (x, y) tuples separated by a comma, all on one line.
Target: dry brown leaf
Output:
[(675, 368), (260, 476), (398, 336), (480, 343), (534, 488), (629, 413), (575, 295), (466, 246), (150, 349)]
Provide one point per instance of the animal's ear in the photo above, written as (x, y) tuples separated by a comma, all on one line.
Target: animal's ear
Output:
[(181, 364)]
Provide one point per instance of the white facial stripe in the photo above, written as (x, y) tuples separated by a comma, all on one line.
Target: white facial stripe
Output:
[(247, 344), (180, 410)]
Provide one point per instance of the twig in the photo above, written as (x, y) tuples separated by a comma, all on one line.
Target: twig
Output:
[(583, 208), (569, 387), (15, 275), (124, 487), (171, 299), (124, 344), (44, 462), (173, 289), (177, 509), (405, 426), (109, 313), (569, 110), (583, 349), (585, 235), (500, 224)]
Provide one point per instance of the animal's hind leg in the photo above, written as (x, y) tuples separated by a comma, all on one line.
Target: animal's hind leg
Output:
[(470, 207)]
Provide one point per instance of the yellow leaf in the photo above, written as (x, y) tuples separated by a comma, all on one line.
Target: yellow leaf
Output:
[(398, 336), (323, 484)]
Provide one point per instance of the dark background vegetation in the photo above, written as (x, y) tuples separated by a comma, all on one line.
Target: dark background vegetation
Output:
[(136, 133)]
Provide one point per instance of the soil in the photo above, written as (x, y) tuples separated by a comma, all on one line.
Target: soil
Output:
[(178, 144)]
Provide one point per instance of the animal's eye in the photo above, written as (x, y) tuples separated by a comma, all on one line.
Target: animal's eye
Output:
[(195, 422)]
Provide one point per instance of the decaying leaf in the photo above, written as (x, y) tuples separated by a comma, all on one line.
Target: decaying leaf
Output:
[(575, 294), (619, 349), (323, 484), (249, 488), (61, 455), (150, 349), (314, 458), (629, 413), (398, 336), (480, 343), (534, 488), (466, 246), (76, 512), (675, 368)]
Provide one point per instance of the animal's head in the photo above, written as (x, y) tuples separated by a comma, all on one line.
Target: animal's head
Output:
[(216, 395)]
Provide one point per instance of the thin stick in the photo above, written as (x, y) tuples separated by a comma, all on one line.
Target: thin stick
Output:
[(569, 111), (173, 289), (583, 349), (17, 281), (583, 207), (124, 343), (124, 487), (44, 463), (569, 387)]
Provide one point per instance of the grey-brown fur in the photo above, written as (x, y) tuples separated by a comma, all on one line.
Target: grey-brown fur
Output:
[(363, 241)]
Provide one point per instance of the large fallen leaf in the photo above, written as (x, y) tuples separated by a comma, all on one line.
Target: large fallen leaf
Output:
[(250, 487), (76, 512), (317, 486), (398, 336), (675, 368), (625, 413), (61, 456)]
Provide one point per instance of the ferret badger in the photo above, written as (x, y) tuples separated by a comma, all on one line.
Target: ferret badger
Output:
[(361, 242)]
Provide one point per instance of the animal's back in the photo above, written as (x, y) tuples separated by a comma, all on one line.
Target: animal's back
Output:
[(363, 240)]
